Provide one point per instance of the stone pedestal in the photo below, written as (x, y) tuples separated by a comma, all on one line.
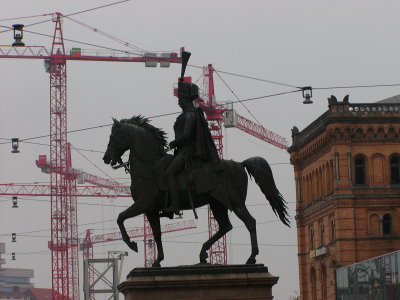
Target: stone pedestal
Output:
[(199, 282)]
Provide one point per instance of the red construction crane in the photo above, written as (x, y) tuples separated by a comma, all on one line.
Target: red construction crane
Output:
[(216, 113), (64, 257)]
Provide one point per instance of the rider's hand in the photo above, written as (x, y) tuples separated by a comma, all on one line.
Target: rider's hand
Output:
[(172, 144)]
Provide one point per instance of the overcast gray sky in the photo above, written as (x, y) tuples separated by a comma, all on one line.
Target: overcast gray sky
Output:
[(317, 43)]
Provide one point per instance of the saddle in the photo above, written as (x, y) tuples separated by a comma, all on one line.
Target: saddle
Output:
[(202, 178)]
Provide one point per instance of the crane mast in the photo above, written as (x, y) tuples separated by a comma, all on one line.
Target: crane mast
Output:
[(64, 231)]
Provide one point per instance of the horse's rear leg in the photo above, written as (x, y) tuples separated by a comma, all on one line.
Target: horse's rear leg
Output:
[(220, 213), (244, 215), (133, 211), (154, 220)]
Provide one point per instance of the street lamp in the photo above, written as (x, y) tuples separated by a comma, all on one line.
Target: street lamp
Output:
[(15, 145), (14, 202), (307, 94), (18, 35)]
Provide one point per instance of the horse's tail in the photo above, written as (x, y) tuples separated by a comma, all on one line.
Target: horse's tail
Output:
[(259, 168)]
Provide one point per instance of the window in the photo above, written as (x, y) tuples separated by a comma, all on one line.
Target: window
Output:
[(324, 286), (322, 233), (395, 169), (333, 230), (387, 224), (313, 278), (359, 163), (312, 244)]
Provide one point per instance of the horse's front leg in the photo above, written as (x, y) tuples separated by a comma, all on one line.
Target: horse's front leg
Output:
[(154, 220), (133, 211)]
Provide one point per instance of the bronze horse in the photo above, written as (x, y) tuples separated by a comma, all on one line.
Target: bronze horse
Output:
[(148, 145)]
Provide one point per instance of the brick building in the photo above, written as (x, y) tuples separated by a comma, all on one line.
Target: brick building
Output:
[(347, 172)]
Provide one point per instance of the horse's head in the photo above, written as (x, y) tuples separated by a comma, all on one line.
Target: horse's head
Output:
[(117, 145)]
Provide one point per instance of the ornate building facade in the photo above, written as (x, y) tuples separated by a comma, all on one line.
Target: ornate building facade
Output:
[(347, 172)]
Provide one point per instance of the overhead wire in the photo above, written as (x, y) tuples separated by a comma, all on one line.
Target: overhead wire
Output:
[(26, 17), (157, 116), (92, 163), (73, 14), (356, 86), (239, 99)]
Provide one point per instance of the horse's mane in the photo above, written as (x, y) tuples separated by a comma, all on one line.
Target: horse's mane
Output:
[(144, 122)]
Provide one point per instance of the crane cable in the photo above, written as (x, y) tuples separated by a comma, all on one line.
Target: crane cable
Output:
[(234, 94), (108, 35)]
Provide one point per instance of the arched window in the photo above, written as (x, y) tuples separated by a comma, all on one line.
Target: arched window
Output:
[(359, 164), (324, 286), (313, 281), (322, 234), (395, 169), (312, 241), (387, 224), (333, 230)]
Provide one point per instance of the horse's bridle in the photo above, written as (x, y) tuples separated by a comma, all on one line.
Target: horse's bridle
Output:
[(126, 165)]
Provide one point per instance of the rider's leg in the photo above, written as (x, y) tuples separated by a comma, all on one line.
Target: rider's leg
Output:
[(177, 164)]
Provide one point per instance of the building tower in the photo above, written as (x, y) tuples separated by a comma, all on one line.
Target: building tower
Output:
[(347, 173)]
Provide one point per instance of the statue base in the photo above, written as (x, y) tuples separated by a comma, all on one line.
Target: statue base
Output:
[(199, 282)]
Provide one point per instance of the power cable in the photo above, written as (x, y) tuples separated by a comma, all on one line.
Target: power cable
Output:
[(248, 77), (48, 145), (239, 99), (356, 86), (156, 116), (34, 16), (79, 203), (75, 13), (262, 97), (89, 128), (166, 238), (98, 168)]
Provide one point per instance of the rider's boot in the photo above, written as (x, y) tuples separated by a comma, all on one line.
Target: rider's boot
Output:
[(173, 196)]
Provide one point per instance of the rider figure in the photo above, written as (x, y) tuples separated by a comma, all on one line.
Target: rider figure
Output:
[(184, 141), (192, 141)]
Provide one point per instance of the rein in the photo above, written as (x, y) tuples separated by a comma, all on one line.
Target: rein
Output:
[(126, 165)]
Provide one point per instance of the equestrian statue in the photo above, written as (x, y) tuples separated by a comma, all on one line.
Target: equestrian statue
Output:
[(163, 184)]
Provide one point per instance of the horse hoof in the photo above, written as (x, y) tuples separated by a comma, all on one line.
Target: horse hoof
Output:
[(251, 261), (156, 264), (203, 257), (203, 262), (133, 246)]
